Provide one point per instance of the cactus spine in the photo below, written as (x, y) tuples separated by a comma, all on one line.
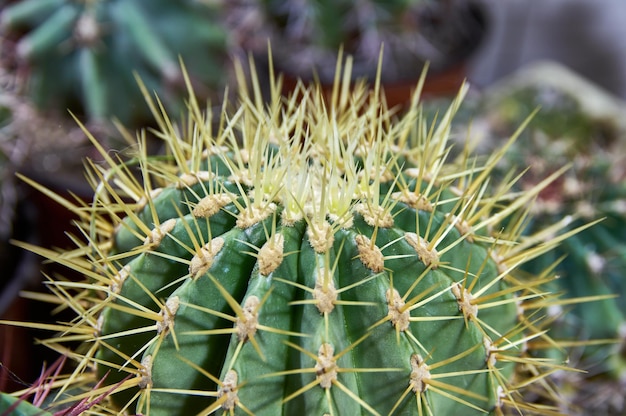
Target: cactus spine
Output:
[(592, 262), (313, 255)]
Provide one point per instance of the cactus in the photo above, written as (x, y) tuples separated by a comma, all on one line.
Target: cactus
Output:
[(311, 255), (330, 24), (307, 34), (10, 405), (594, 260), (577, 124), (574, 122), (82, 54)]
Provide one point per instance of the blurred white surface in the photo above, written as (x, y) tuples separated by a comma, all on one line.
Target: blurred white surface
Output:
[(588, 36)]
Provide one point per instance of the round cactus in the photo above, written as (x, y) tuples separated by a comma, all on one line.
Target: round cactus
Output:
[(82, 54), (312, 255)]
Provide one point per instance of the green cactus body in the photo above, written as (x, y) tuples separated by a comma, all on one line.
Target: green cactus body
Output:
[(591, 263), (19, 408), (308, 257), (82, 54)]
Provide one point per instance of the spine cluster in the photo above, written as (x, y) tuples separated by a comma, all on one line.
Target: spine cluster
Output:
[(313, 255)]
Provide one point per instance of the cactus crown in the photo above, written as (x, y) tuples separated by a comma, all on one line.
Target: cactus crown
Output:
[(310, 255)]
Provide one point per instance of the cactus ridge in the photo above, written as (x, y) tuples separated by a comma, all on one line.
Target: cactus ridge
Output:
[(313, 255)]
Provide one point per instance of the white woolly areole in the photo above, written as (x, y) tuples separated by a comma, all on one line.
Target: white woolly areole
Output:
[(210, 205), (247, 323), (325, 292), (326, 367), (399, 317), (158, 233), (229, 389), (419, 374), (369, 254), (271, 254), (428, 256), (167, 314), (203, 260)]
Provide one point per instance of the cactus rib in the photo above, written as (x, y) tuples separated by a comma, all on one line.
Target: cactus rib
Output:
[(312, 256)]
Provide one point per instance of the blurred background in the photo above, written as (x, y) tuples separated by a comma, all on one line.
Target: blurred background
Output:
[(585, 35), (565, 57)]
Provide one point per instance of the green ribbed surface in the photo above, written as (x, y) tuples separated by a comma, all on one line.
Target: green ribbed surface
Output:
[(308, 255), (376, 360)]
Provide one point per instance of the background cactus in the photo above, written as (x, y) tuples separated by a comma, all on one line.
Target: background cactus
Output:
[(591, 139), (577, 124), (81, 54), (307, 34), (594, 261), (306, 257)]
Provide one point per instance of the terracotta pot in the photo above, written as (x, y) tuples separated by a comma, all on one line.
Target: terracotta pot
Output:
[(445, 83)]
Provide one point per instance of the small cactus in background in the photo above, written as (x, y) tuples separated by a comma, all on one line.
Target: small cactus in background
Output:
[(330, 24), (81, 54), (578, 124), (595, 259), (307, 34), (306, 256)]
